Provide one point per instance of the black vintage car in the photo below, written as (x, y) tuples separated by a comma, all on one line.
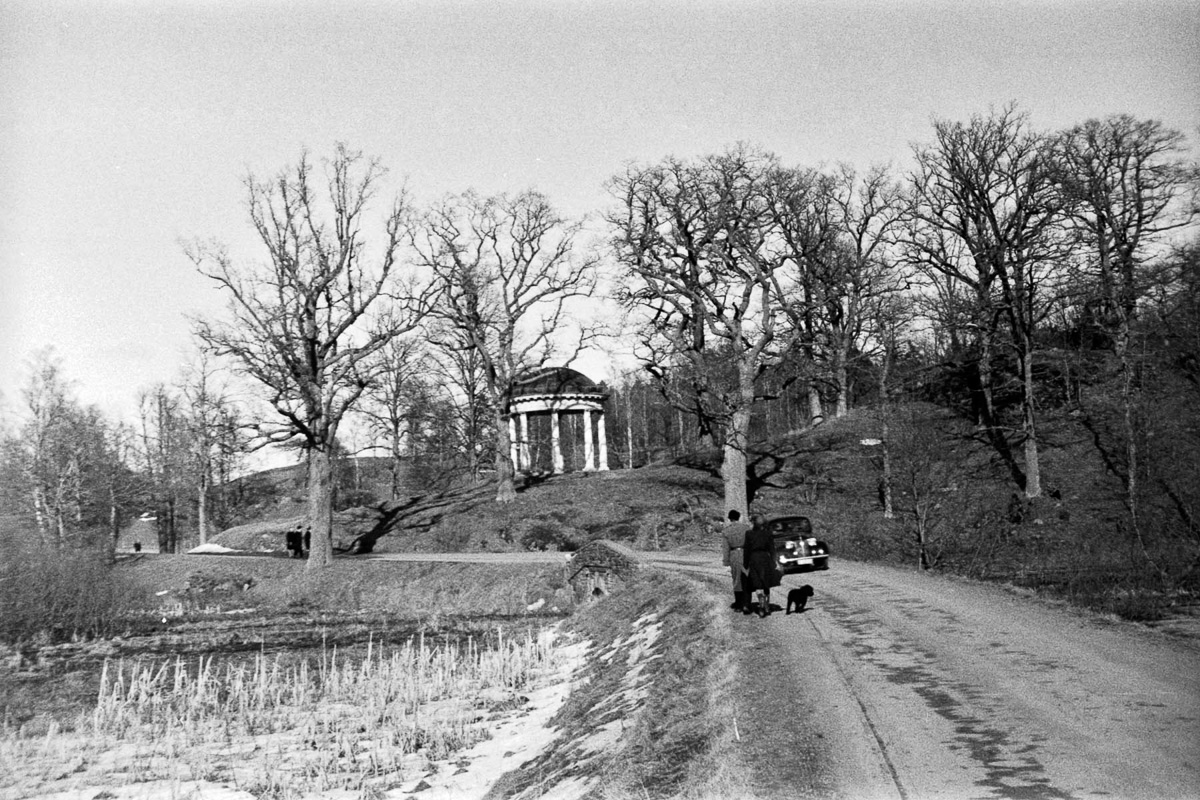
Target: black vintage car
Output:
[(796, 549)]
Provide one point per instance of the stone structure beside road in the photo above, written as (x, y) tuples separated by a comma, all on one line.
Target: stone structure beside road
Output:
[(598, 566)]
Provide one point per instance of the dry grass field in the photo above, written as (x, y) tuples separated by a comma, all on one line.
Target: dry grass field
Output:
[(386, 678)]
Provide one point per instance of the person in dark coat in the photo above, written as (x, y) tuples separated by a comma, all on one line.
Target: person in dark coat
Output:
[(734, 535), (759, 570), (293, 542)]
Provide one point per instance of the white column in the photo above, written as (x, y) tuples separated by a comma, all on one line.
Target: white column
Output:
[(525, 457), (603, 444), (513, 450), (556, 444), (589, 451)]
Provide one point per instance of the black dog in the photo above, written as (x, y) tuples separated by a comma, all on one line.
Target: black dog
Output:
[(798, 598)]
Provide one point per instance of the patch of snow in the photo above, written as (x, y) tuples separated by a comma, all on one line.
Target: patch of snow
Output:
[(213, 548), (154, 790), (515, 739), (534, 606)]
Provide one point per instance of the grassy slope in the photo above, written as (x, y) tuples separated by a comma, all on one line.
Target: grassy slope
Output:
[(651, 713), (977, 524), (651, 508)]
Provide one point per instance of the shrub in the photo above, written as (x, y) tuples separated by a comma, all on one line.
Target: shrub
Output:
[(548, 536), (50, 595)]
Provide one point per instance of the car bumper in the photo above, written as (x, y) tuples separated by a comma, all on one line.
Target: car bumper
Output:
[(803, 563)]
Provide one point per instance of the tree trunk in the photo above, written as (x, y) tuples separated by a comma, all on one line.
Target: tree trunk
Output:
[(114, 524), (816, 413), (62, 527), (737, 439), (629, 431), (841, 375), (1131, 451), (986, 414), (320, 507), (506, 490), (922, 541), (1033, 472), (166, 526), (202, 507), (41, 515), (733, 468), (396, 466), (886, 418)]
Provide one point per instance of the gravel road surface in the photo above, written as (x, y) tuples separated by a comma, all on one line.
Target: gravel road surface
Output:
[(897, 684)]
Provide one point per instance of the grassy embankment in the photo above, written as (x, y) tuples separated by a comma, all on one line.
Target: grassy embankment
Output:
[(651, 713)]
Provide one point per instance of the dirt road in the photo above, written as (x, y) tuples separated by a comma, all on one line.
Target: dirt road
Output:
[(895, 684)]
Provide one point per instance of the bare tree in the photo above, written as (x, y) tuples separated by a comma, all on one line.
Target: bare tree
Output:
[(506, 271), (923, 474), (834, 230), (870, 209), (459, 371), (49, 467), (985, 214), (165, 459), (65, 466), (693, 238), (120, 485), (892, 317), (804, 219), (388, 403), (309, 323), (215, 440), (1127, 185)]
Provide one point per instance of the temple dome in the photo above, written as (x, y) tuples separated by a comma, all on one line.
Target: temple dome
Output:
[(561, 381)]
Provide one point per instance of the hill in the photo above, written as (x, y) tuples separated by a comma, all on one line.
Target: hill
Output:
[(661, 507), (954, 504)]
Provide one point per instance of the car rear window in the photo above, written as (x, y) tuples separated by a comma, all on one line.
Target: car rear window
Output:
[(796, 525)]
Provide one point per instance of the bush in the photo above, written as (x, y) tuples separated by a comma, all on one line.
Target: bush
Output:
[(549, 536), (51, 596)]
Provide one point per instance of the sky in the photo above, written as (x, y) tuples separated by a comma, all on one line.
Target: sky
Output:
[(128, 127)]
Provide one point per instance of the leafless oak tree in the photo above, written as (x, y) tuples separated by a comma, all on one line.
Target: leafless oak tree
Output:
[(986, 215), (1127, 186), (309, 323), (506, 272), (693, 238)]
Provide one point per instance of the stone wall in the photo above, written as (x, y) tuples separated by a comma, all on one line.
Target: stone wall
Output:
[(598, 566)]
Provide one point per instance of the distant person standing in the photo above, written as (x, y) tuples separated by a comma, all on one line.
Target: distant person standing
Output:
[(758, 555), (293, 543), (734, 535), (307, 540)]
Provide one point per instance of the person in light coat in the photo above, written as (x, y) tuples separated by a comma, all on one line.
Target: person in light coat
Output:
[(734, 537)]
